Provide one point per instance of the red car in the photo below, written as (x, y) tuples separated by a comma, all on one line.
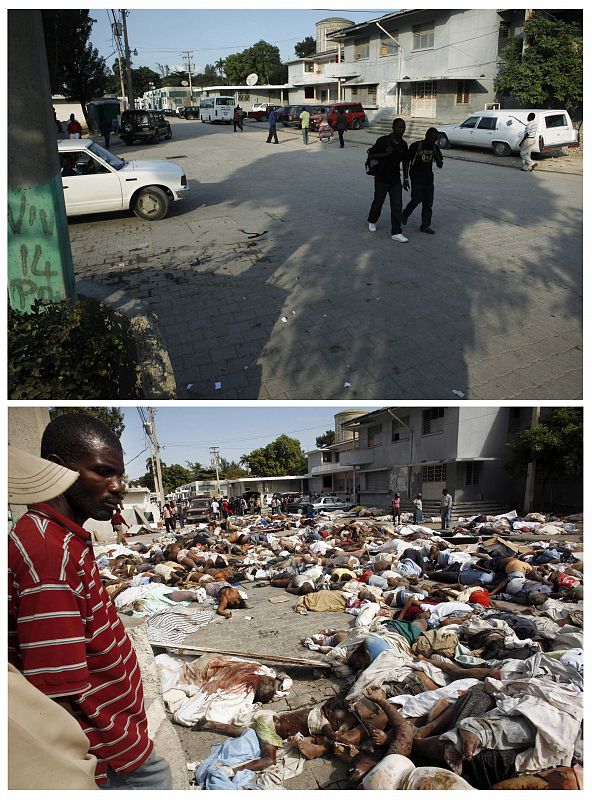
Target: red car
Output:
[(355, 115)]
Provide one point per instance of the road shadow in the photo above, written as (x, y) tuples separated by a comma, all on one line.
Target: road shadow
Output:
[(308, 304)]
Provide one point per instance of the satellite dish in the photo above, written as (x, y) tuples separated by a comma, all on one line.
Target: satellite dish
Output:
[(252, 79), (184, 83)]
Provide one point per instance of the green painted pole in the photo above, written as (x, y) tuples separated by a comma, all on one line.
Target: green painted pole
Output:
[(39, 254)]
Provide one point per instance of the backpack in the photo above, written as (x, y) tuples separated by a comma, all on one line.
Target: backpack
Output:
[(371, 165)]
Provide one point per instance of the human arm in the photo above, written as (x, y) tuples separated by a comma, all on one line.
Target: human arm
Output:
[(222, 609), (403, 730)]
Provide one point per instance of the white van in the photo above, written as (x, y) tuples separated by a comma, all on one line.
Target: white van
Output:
[(502, 131)]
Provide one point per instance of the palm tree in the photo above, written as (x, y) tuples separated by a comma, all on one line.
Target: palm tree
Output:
[(219, 65)]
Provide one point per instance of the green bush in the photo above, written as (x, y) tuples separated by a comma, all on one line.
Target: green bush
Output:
[(71, 351)]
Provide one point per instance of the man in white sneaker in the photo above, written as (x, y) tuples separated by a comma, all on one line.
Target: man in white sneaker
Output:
[(391, 151)]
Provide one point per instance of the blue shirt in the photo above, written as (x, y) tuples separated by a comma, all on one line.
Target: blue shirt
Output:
[(272, 119)]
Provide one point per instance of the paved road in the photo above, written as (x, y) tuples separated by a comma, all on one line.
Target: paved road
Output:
[(268, 281)]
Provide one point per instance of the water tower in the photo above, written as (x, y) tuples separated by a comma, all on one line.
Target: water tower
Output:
[(341, 419), (326, 27)]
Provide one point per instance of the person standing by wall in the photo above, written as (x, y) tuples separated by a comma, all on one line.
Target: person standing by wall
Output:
[(340, 125), (527, 143), (305, 124), (421, 158), (418, 510), (391, 152), (64, 634), (446, 509), (396, 507), (272, 120)]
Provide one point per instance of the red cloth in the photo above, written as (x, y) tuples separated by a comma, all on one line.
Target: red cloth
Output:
[(480, 596), (64, 634)]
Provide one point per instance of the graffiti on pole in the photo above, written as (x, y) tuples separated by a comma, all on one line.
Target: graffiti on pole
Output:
[(39, 257)]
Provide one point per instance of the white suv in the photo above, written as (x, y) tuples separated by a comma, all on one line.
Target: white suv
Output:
[(95, 180)]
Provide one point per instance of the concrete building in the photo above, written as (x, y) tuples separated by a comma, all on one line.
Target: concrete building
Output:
[(423, 450), (268, 485)]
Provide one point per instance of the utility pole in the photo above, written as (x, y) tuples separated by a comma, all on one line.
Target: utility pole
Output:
[(38, 254), (215, 454), (187, 56), (128, 65), (527, 15), (531, 470), (150, 428)]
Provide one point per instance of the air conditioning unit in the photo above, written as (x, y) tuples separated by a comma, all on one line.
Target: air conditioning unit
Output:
[(492, 107)]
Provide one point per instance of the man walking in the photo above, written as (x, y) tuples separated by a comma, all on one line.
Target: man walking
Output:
[(527, 143), (304, 124), (340, 125), (391, 152), (272, 119), (237, 118), (118, 521), (421, 157), (105, 128), (64, 633), (445, 509)]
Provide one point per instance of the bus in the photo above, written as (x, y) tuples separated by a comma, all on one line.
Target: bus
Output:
[(217, 109)]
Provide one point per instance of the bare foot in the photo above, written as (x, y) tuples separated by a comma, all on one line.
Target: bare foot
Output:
[(470, 743), (310, 750), (453, 758)]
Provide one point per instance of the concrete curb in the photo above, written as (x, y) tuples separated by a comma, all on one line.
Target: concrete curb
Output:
[(155, 371)]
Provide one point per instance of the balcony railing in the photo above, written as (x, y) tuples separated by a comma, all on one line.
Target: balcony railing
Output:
[(355, 458)]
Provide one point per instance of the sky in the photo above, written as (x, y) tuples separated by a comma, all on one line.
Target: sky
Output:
[(187, 433), (160, 36)]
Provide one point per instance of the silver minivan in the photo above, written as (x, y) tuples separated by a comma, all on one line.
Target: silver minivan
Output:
[(502, 131)]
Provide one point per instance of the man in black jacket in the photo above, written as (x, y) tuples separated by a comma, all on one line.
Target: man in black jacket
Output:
[(421, 157), (391, 151)]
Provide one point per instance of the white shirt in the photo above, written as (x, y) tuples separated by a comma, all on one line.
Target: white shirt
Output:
[(531, 129), (215, 506)]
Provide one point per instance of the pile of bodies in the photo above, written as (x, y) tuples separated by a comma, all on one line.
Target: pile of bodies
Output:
[(464, 661)]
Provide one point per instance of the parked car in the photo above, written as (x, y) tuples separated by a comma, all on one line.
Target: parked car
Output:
[(292, 115), (95, 180), (261, 112), (503, 130), (355, 116), (330, 503), (190, 112), (299, 503), (199, 510), (144, 125)]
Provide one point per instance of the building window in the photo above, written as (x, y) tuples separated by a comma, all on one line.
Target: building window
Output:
[(514, 420), (361, 49), (463, 95), (327, 481), (435, 473), (472, 471), (374, 436), (400, 432), (432, 421), (309, 66), (244, 97), (387, 46), (423, 36), (336, 458), (377, 481), (309, 93), (326, 458)]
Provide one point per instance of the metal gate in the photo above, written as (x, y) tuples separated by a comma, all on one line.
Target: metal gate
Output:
[(423, 99)]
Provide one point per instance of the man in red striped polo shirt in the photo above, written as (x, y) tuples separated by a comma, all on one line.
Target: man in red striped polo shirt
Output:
[(64, 634)]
